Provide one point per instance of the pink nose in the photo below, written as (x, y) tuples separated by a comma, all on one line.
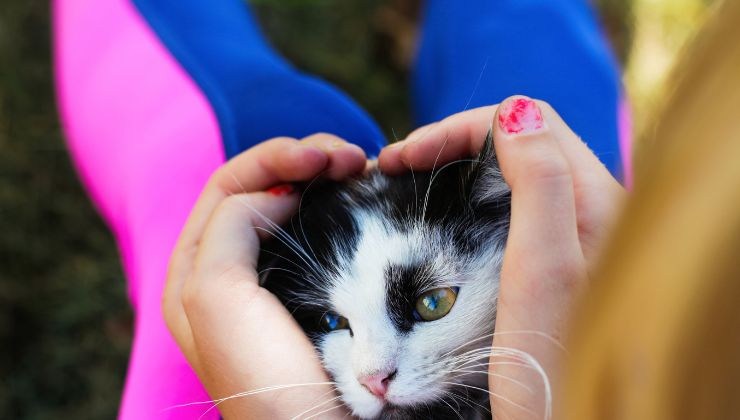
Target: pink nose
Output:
[(377, 383)]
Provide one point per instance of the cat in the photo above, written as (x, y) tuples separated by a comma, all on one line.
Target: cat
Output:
[(395, 281)]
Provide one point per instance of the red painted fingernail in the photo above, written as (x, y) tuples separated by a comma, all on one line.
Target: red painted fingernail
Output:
[(281, 190), (521, 115)]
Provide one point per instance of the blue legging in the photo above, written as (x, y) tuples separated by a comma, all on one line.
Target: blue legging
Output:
[(472, 53)]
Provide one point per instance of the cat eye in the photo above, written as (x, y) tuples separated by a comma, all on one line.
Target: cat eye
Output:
[(435, 304), (333, 322)]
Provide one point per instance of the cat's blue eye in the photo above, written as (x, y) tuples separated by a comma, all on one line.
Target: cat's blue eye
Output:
[(333, 322), (435, 304)]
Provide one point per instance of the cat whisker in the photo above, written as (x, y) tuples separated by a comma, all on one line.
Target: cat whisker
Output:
[(548, 337), (304, 278), (322, 412), (482, 354), (453, 409), (302, 299), (495, 395), (468, 400), (277, 232), (300, 219), (218, 401), (295, 247), (265, 270), (431, 179), (416, 192), (452, 399), (298, 416), (271, 223), (496, 375), (491, 335), (477, 83), (461, 362)]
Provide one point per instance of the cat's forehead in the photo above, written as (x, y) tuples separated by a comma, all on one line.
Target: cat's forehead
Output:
[(389, 268)]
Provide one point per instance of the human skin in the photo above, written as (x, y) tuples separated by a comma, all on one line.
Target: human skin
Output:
[(563, 204), (238, 337)]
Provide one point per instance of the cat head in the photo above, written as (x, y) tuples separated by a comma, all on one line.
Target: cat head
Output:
[(395, 280)]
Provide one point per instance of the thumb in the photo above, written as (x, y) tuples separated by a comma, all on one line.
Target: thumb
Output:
[(543, 246)]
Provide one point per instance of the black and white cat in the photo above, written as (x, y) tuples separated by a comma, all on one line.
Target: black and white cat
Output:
[(395, 280)]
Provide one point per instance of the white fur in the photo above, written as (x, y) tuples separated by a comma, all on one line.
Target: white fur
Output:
[(424, 355)]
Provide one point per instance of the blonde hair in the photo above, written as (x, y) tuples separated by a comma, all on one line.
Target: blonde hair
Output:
[(658, 336)]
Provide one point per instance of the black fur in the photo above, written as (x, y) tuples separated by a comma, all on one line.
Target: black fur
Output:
[(325, 228)]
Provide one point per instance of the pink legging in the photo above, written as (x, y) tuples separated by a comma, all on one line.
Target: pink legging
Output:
[(125, 105)]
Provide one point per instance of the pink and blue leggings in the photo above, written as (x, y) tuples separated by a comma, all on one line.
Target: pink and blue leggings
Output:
[(155, 94)]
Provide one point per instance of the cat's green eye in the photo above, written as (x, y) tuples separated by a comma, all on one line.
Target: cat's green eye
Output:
[(435, 304), (332, 322)]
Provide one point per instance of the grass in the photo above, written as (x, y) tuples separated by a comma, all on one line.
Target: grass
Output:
[(65, 325)]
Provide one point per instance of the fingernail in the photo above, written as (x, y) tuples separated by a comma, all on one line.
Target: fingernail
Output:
[(281, 190), (337, 144), (520, 116), (397, 144)]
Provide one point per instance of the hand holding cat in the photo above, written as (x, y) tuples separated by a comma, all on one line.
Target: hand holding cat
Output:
[(563, 204), (238, 337), (213, 304)]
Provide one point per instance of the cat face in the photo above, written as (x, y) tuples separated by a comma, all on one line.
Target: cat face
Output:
[(387, 357), (395, 280)]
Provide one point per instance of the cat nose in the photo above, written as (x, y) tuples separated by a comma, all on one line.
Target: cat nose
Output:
[(377, 383)]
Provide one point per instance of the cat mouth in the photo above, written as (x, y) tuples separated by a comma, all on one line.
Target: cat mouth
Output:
[(434, 411), (394, 412)]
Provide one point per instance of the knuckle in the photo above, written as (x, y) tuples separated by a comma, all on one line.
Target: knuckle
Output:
[(234, 207), (547, 168), (567, 275), (188, 298), (193, 299), (217, 175), (233, 202), (569, 271), (321, 136), (283, 140), (560, 278)]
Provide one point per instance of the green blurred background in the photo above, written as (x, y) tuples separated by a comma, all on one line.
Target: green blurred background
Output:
[(65, 325)]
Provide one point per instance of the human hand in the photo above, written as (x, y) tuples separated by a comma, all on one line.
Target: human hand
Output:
[(236, 335), (563, 204)]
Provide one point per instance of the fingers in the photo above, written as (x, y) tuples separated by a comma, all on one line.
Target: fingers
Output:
[(236, 325), (288, 160), (227, 249), (455, 137), (273, 162), (543, 236), (345, 159), (543, 267), (224, 277), (226, 325), (598, 194), (269, 163)]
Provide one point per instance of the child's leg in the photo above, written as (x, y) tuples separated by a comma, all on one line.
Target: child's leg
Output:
[(254, 92), (479, 52), (148, 119)]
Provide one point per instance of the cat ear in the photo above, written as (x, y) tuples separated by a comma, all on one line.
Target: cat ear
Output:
[(488, 184)]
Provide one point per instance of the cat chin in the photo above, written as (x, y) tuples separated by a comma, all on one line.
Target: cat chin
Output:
[(364, 408), (381, 411)]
